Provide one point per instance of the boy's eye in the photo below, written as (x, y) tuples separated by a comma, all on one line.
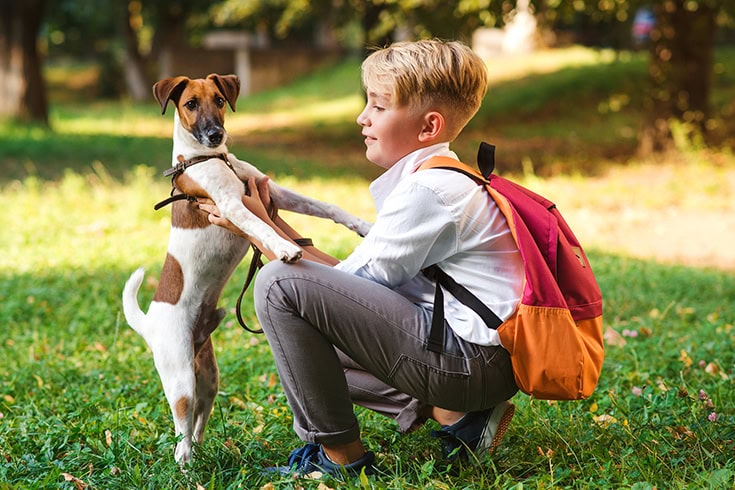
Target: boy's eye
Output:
[(378, 108)]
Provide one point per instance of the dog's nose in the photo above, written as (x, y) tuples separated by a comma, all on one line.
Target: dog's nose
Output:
[(214, 136)]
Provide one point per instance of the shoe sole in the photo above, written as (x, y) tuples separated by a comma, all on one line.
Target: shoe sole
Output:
[(494, 430)]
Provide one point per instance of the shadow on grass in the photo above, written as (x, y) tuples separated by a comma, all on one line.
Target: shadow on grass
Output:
[(303, 153)]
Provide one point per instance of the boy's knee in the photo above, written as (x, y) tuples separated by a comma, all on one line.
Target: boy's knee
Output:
[(265, 278), (277, 283)]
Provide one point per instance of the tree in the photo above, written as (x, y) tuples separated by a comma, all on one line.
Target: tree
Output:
[(21, 79), (680, 71), (681, 63)]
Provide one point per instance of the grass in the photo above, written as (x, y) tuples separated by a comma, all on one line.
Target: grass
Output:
[(80, 401)]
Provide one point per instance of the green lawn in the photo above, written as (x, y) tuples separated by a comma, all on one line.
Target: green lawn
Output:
[(80, 402)]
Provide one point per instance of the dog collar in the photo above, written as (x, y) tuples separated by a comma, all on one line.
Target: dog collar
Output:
[(182, 164)]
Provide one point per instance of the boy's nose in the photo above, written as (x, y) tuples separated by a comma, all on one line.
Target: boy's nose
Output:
[(362, 119)]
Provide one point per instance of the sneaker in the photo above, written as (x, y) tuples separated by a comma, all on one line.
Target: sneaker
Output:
[(476, 432), (311, 459)]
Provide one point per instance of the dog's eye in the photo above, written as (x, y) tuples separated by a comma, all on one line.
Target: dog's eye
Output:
[(191, 104), (219, 101)]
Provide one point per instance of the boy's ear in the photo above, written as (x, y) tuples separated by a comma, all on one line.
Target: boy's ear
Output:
[(433, 126)]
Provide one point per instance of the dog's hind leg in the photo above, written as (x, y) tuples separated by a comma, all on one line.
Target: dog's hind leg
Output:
[(207, 382), (173, 356), (205, 367)]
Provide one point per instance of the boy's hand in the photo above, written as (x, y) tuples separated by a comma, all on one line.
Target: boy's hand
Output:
[(257, 199), (215, 218)]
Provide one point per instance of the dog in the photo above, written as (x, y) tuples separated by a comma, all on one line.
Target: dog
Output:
[(201, 257)]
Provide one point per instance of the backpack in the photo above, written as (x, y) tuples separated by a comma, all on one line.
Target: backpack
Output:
[(555, 335)]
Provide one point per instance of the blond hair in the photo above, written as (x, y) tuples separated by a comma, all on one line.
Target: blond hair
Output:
[(430, 75)]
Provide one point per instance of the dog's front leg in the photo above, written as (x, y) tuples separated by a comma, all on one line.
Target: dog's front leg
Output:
[(293, 201), (251, 225)]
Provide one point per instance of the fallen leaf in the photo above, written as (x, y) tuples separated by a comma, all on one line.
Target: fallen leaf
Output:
[(684, 357), (604, 420), (711, 368), (680, 432), (98, 347), (238, 402), (612, 337), (79, 484)]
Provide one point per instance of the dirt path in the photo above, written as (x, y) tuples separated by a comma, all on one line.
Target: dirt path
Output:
[(671, 236), (683, 214)]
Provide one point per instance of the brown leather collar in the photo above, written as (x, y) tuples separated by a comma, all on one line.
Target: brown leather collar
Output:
[(182, 164)]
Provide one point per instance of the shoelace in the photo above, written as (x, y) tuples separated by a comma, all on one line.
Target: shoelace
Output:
[(303, 456), (452, 446)]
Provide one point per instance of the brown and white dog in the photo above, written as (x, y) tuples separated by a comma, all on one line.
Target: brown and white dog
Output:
[(201, 257)]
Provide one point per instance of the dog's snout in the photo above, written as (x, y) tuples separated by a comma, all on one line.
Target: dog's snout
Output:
[(210, 134), (215, 136)]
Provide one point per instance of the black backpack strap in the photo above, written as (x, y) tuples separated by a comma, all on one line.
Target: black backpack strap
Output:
[(436, 334), (486, 158), (435, 342)]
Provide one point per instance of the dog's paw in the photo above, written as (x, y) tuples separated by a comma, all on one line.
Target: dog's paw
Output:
[(288, 253), (182, 453), (360, 227)]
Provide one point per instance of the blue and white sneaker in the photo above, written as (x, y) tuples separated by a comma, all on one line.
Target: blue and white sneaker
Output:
[(310, 460), (476, 432)]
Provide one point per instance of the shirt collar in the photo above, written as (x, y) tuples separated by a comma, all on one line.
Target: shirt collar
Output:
[(381, 187)]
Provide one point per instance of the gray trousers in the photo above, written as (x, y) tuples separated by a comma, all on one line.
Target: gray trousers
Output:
[(338, 339)]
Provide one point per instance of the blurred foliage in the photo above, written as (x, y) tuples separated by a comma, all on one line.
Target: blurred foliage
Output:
[(74, 27)]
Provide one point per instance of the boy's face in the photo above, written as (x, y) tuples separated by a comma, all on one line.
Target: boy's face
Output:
[(391, 131)]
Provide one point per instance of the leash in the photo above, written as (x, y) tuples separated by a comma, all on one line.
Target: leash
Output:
[(255, 263)]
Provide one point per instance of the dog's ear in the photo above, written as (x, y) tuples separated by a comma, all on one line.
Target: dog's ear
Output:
[(169, 89), (229, 85)]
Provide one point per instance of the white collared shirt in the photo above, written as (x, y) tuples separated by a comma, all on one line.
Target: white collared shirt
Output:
[(440, 217)]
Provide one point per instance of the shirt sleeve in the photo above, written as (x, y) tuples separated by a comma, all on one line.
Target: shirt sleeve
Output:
[(412, 230)]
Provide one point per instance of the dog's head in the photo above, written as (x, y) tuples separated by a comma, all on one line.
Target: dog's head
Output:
[(200, 104)]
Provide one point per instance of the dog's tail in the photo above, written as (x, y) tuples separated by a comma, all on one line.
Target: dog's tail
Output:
[(133, 314)]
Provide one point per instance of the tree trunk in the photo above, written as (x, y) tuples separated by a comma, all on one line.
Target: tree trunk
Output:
[(680, 71), (21, 77), (136, 79), (370, 20), (170, 36)]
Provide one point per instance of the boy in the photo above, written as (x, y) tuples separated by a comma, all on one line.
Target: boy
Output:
[(355, 331)]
